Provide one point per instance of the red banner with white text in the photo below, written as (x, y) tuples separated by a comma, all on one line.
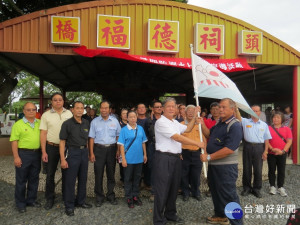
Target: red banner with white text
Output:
[(225, 65)]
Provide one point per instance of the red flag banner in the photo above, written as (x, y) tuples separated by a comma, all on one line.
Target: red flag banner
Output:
[(224, 65)]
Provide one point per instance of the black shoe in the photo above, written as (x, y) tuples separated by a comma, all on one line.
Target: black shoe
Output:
[(99, 203), (245, 192), (198, 198), (34, 204), (257, 194), (69, 212), (113, 201), (49, 204), (185, 198), (137, 201), (22, 210), (130, 203), (84, 206), (178, 220)]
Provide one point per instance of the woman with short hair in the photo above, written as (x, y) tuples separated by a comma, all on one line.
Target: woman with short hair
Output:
[(133, 151), (278, 148)]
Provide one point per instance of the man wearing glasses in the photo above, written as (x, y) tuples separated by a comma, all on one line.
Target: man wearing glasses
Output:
[(51, 122), (25, 143)]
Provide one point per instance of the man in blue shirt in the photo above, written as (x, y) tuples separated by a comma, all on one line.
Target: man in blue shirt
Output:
[(256, 141), (222, 158), (104, 132)]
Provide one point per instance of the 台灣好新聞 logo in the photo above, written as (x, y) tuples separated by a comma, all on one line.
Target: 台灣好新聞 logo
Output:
[(233, 210)]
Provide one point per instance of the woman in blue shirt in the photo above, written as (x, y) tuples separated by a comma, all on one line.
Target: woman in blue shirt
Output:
[(133, 151)]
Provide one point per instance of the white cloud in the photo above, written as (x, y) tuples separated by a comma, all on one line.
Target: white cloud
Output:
[(277, 17)]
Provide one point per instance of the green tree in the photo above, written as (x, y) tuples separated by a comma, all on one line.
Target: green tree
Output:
[(28, 86)]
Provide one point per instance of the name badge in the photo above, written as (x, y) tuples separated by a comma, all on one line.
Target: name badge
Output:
[(248, 126)]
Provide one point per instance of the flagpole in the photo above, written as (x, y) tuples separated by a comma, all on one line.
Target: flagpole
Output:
[(197, 103)]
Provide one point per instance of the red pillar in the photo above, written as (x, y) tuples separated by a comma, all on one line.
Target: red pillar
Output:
[(41, 96), (296, 106)]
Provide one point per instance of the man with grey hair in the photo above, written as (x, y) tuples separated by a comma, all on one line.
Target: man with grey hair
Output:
[(222, 158), (167, 162)]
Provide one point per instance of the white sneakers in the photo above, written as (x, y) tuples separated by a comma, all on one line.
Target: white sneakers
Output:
[(282, 192), (273, 190)]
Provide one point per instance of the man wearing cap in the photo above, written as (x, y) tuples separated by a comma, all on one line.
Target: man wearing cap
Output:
[(104, 133), (51, 122), (74, 161), (25, 143)]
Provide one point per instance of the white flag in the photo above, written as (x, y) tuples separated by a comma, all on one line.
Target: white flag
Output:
[(210, 82)]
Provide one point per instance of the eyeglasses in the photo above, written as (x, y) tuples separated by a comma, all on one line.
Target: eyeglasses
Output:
[(157, 107), (30, 110)]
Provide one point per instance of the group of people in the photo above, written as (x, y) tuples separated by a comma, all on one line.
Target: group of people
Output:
[(163, 149)]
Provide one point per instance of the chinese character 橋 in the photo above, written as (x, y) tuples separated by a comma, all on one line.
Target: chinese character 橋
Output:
[(162, 37), (65, 31)]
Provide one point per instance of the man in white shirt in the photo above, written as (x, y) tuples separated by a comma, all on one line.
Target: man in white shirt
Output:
[(167, 162)]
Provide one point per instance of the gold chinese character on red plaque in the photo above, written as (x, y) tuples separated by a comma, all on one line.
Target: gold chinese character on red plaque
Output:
[(113, 32), (65, 30), (209, 39), (250, 42), (163, 36)]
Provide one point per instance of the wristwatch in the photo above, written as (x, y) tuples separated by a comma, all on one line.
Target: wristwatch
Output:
[(208, 158)]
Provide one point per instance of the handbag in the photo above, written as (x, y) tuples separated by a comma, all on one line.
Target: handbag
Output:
[(281, 137)]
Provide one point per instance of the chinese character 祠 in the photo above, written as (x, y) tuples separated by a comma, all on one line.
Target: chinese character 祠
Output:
[(213, 38), (163, 37), (117, 36), (65, 31)]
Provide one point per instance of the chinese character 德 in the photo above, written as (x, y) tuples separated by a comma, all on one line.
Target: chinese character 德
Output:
[(117, 36), (65, 31), (163, 38), (214, 38), (252, 42)]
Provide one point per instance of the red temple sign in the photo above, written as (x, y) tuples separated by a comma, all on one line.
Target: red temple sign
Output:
[(250, 42)]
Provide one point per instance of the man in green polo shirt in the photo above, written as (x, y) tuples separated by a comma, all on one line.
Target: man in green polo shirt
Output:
[(25, 143)]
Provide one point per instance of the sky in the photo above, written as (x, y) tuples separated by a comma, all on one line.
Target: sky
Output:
[(280, 18)]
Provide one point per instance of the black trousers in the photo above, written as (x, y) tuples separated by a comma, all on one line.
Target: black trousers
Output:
[(191, 170), (53, 159), (27, 178), (167, 174), (252, 158), (222, 185), (77, 168), (276, 161), (132, 177), (105, 157), (149, 165)]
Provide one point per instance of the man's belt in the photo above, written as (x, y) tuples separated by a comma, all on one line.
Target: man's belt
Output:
[(52, 144), (105, 146), (253, 143), (78, 146), (191, 150), (29, 150), (170, 154)]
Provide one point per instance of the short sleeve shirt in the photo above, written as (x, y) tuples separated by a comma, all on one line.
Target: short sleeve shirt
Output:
[(134, 155), (103, 131), (75, 134), (276, 141), (220, 138), (255, 132), (26, 135), (51, 121), (164, 130)]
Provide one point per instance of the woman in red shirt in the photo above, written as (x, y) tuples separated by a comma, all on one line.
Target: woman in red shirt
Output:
[(278, 148)]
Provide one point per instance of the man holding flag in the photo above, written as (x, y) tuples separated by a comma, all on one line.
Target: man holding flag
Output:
[(222, 158)]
